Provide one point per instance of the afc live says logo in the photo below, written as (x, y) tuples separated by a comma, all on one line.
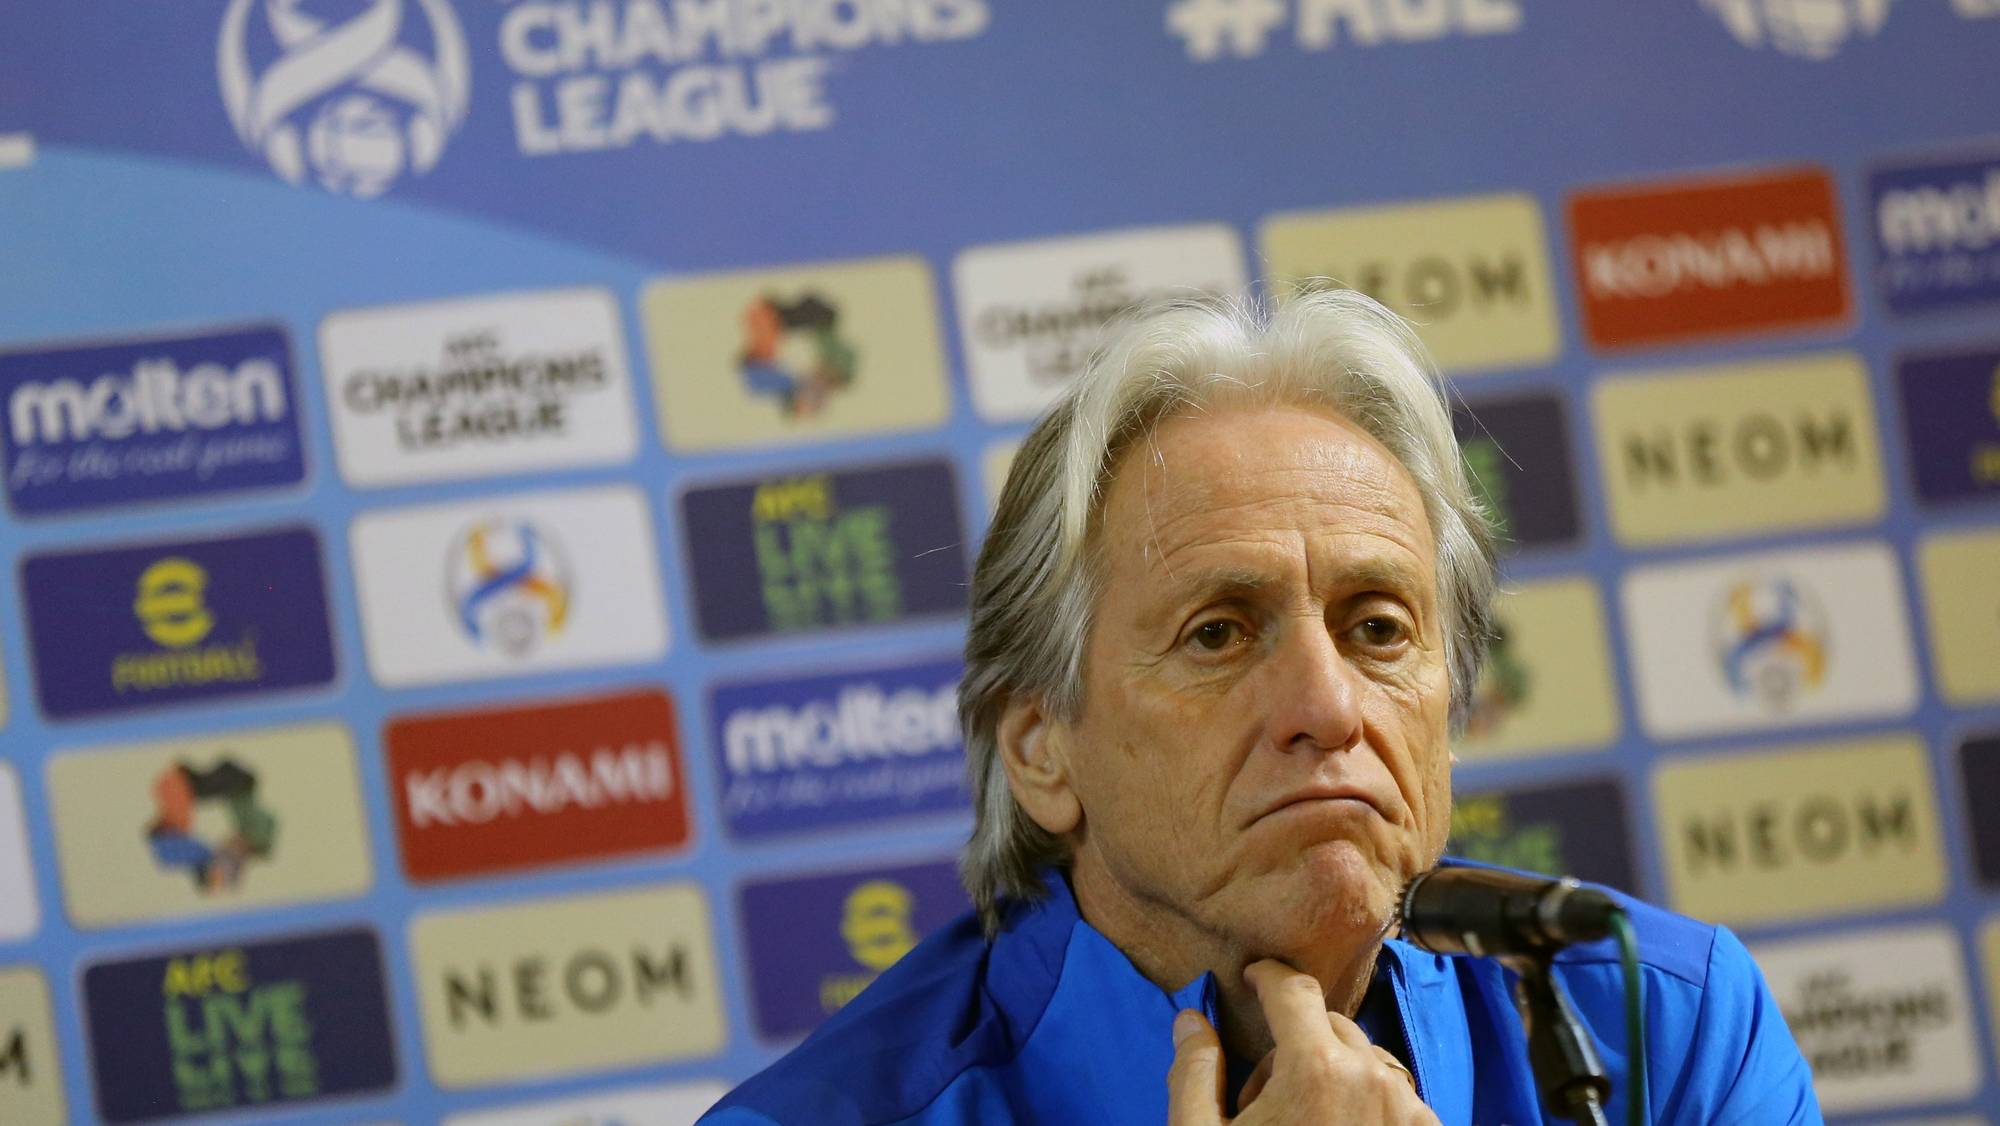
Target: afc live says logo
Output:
[(815, 942), (252, 1026), (1662, 262), (822, 550), (127, 628), (581, 983), (94, 424), (201, 825), (508, 788)]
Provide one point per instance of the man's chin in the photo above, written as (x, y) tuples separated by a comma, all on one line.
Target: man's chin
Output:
[(1336, 891)]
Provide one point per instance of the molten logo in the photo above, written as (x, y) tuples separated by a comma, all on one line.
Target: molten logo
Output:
[(378, 106)]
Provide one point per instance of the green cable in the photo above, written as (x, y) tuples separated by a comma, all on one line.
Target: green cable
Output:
[(1635, 1017)]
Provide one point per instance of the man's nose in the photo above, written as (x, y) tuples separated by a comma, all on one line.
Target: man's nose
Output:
[(1317, 690)]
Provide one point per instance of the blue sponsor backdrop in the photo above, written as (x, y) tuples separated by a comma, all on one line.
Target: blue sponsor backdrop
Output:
[(190, 167)]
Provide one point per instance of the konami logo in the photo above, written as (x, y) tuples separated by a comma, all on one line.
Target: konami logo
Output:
[(1697, 258), (521, 787)]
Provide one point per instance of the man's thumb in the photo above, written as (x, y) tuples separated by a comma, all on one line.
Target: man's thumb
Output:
[(1194, 1084)]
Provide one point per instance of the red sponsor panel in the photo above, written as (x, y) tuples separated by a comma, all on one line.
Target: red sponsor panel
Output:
[(1657, 263), (500, 789)]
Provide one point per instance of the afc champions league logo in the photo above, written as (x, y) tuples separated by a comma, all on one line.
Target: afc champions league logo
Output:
[(1770, 638), (509, 585), (1808, 29), (346, 99)]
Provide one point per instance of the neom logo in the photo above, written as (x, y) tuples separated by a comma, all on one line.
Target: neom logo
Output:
[(586, 982), (1813, 830)]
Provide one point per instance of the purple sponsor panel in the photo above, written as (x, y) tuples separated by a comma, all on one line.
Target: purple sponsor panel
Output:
[(231, 1027), (90, 425), (817, 551), (1951, 420), (809, 753), (133, 628), (1937, 233), (815, 942), (1519, 453)]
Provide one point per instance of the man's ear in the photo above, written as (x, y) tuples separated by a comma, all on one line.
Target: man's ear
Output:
[(1034, 750)]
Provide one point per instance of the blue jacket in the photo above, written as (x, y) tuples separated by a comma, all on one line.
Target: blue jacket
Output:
[(1050, 1023)]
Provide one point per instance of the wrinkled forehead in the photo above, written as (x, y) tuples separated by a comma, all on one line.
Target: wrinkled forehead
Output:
[(1196, 470)]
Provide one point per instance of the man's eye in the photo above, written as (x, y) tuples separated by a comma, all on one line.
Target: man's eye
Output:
[(1217, 635), (1380, 631)]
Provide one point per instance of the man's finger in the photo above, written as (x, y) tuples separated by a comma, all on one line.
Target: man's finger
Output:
[(1294, 1007), (1349, 1033), (1390, 1061), (1194, 1083), (1254, 1086)]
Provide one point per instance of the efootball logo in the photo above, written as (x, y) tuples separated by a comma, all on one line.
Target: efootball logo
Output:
[(355, 100)]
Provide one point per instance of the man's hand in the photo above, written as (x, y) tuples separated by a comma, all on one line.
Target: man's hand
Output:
[(1322, 1070)]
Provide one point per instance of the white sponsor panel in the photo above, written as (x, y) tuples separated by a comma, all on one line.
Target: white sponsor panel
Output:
[(19, 915), (1882, 1016), (478, 386), (1752, 642), (506, 586), (1030, 313), (677, 1105)]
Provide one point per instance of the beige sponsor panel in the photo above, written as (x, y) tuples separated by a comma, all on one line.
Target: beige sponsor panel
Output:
[(1962, 599), (1739, 449), (31, 1090), (555, 986), (1547, 684), (1824, 829), (797, 354), (207, 824), (1472, 273)]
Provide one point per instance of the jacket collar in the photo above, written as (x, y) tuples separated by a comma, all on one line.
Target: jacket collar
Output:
[(1045, 949)]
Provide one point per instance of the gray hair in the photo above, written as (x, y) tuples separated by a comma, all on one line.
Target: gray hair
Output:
[(1036, 582)]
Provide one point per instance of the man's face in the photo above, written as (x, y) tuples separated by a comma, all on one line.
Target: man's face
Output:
[(1262, 747)]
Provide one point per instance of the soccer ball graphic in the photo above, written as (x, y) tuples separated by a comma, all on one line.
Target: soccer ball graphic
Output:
[(1810, 29), (509, 585), (356, 145)]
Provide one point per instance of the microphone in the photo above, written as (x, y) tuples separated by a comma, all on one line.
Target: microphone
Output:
[(1483, 912)]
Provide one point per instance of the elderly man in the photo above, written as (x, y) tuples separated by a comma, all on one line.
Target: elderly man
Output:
[(1234, 596)]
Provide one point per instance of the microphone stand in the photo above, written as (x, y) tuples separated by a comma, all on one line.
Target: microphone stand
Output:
[(1572, 1080)]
